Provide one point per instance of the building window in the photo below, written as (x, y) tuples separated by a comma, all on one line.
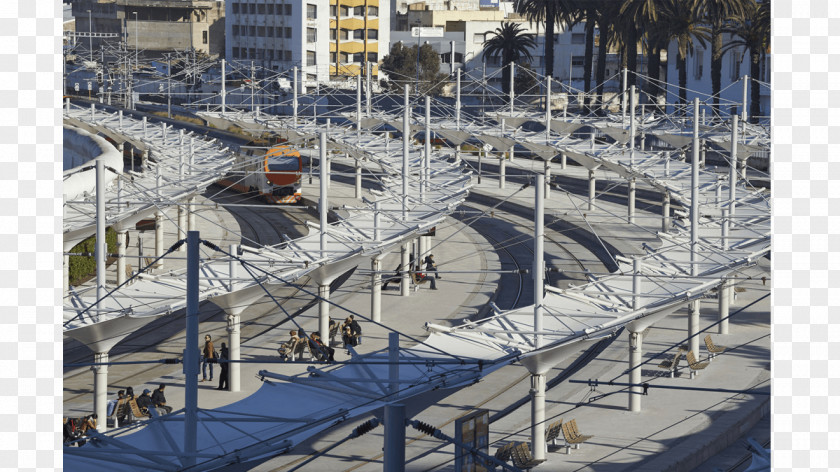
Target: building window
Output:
[(373, 34), (310, 58), (261, 9), (288, 10), (478, 38), (204, 37), (287, 56), (343, 57), (333, 57), (311, 35), (235, 30), (344, 11), (495, 61), (287, 32), (373, 11), (359, 34), (252, 31), (270, 31), (577, 61), (270, 9), (578, 38), (359, 11), (332, 10), (311, 11), (698, 64), (252, 9), (373, 57), (235, 8), (261, 31), (359, 57), (332, 34), (343, 34)]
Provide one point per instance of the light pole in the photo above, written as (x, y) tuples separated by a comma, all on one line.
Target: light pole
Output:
[(417, 85), (136, 57), (90, 33)]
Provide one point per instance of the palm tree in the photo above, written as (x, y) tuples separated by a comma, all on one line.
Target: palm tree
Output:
[(686, 27), (753, 31), (607, 14), (550, 12), (716, 13), (512, 43)]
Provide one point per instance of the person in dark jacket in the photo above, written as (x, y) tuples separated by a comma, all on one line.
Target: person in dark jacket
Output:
[(208, 357), (224, 355), (431, 266), (321, 351), (144, 402), (159, 400)]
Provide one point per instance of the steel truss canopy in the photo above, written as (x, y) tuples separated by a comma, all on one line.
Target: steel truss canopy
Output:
[(455, 356)]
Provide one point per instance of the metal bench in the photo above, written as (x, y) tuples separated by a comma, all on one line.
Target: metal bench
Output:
[(572, 435), (522, 458), (672, 364), (694, 364), (712, 348), (553, 432)]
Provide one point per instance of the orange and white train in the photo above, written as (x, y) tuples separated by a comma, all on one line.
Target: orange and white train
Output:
[(274, 175)]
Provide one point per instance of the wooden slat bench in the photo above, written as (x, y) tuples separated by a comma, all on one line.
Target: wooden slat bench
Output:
[(672, 364), (712, 348), (522, 458), (573, 436), (553, 432), (503, 453), (694, 364)]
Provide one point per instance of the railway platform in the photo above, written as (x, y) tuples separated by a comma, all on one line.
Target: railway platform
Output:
[(674, 428)]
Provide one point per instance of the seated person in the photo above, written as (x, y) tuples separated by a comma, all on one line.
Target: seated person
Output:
[(355, 331), (287, 349), (347, 337), (318, 349), (144, 402), (395, 279), (159, 400), (421, 278)]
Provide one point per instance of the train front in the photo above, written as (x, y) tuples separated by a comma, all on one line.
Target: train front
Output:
[(282, 167)]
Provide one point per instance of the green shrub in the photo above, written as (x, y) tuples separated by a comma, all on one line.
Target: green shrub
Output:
[(83, 268)]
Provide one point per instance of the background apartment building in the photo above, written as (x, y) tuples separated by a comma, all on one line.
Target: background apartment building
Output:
[(327, 39), (155, 26)]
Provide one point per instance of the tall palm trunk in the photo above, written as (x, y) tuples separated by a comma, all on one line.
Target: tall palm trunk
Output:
[(587, 57), (652, 69), (717, 66), (755, 89), (683, 73), (549, 45), (506, 74), (601, 69)]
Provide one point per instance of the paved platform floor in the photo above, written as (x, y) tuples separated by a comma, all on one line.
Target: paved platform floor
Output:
[(672, 432)]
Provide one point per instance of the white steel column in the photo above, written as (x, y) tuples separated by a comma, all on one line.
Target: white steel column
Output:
[(100, 390), (666, 211), (223, 94), (733, 177), (191, 215), (635, 400), (405, 286), (547, 177), (502, 170), (623, 95), (405, 169), (746, 81), (358, 106), (631, 200), (694, 308), (723, 306), (101, 248), (458, 100), (376, 288), (510, 92), (547, 108), (562, 161), (324, 312), (233, 325), (323, 199), (632, 142), (538, 416), (591, 190), (159, 238), (182, 225), (427, 152), (358, 187), (295, 94), (121, 257), (369, 72), (538, 380), (191, 351)]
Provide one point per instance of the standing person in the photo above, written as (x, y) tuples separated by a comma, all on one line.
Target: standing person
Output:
[(159, 400), (208, 358), (224, 356), (431, 266)]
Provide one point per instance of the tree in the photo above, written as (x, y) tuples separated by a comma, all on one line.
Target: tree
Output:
[(511, 42), (753, 31), (717, 13), (401, 66), (686, 27), (525, 83), (550, 12)]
